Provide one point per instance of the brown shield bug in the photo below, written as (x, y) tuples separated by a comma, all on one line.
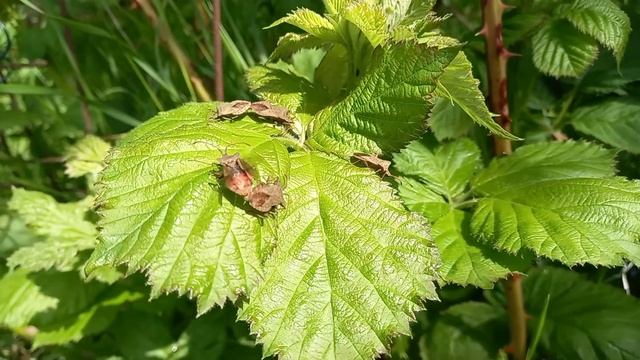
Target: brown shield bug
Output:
[(236, 175), (266, 196), (374, 162)]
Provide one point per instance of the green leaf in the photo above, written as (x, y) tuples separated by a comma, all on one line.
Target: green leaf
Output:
[(418, 197), (561, 50), (291, 43), (584, 320), (163, 209), (615, 122), (561, 201), (602, 20), (14, 234), (388, 106), (448, 121), (535, 163), (285, 89), (45, 255), (446, 169), (21, 299), (369, 18), (335, 6), (311, 22), (91, 321), (350, 267), (466, 331), (458, 84), (64, 227), (464, 260), (86, 156)]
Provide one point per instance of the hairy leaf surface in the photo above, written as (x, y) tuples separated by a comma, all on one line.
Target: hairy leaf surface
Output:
[(350, 268), (389, 105), (163, 209)]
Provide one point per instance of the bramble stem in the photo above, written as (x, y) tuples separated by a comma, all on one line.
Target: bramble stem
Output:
[(497, 57)]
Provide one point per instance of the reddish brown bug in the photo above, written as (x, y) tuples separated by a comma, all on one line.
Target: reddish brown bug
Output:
[(236, 175), (266, 196), (374, 162)]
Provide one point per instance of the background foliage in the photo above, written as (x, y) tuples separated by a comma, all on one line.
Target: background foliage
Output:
[(76, 78)]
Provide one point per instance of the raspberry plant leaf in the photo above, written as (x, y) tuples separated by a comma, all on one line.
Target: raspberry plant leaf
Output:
[(95, 319), (601, 19), (458, 85), (312, 23), (163, 209), (62, 228), (559, 50), (466, 331), (86, 156), (434, 180), (388, 106), (21, 299), (559, 200), (445, 169), (615, 122), (585, 320), (349, 269), (465, 261)]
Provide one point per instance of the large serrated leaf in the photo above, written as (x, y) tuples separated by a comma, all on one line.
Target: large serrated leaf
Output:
[(561, 201), (615, 122), (389, 105), (561, 50), (163, 209), (349, 270), (602, 20), (465, 261), (545, 161), (458, 85), (446, 169), (584, 320)]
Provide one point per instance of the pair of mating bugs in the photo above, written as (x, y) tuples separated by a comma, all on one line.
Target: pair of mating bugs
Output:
[(237, 177)]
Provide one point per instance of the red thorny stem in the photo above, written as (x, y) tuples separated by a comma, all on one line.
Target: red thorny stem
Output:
[(497, 57)]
